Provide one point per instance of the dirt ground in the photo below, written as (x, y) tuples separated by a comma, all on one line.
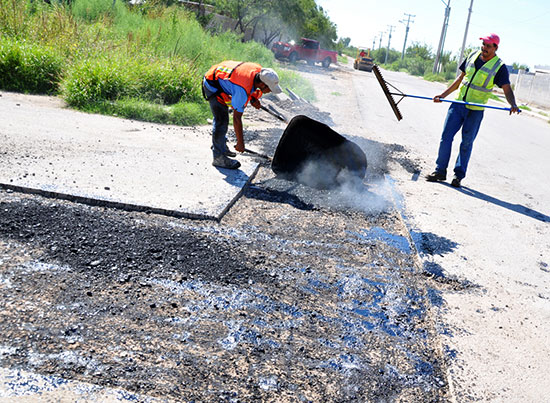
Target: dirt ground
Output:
[(297, 294)]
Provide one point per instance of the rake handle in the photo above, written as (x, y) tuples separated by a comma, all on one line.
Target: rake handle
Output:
[(455, 102), (273, 113)]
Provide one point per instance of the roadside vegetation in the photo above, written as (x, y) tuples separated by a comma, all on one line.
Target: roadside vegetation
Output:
[(418, 60), (142, 62)]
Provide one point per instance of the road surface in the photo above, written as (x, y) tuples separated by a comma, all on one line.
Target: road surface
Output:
[(491, 238)]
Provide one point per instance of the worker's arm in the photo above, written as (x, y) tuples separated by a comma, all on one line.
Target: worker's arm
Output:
[(238, 127), (510, 98), (255, 102), (453, 87)]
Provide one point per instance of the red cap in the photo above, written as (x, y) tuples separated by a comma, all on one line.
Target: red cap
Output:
[(491, 38)]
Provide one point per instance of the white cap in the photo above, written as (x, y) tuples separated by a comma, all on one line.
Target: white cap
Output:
[(271, 79)]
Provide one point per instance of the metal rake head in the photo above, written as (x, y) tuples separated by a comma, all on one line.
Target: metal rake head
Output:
[(387, 92)]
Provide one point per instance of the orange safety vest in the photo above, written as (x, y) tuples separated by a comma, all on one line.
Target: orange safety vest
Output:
[(238, 73)]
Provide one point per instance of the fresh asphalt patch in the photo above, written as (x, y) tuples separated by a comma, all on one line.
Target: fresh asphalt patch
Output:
[(296, 294), (285, 299)]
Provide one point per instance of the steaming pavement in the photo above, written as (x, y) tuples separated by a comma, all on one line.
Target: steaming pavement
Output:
[(494, 233), (297, 293)]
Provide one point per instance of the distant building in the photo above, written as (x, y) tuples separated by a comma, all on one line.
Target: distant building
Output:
[(542, 69)]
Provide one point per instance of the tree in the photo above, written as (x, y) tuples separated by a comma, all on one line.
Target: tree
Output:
[(517, 66), (345, 42), (422, 51), (296, 18), (318, 26)]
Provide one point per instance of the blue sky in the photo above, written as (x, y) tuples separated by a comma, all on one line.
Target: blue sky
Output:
[(523, 25)]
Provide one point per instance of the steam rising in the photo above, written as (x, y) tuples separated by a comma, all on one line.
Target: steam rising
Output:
[(344, 190)]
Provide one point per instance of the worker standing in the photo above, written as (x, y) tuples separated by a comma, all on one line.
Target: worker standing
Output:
[(481, 70), (234, 84)]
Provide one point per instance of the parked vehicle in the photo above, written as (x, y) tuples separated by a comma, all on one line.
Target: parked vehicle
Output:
[(308, 50), (363, 61)]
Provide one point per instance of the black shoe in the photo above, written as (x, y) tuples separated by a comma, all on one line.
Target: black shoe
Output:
[(223, 162), (456, 182), (229, 153), (436, 176)]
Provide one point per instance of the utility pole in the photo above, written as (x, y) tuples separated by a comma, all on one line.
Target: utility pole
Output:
[(391, 27), (461, 56), (406, 32), (443, 34), (381, 36), (373, 42)]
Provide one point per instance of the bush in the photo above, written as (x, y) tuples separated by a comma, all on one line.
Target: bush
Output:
[(183, 113), (112, 78), (398, 65), (93, 10), (291, 79), (440, 77), (143, 61), (29, 67), (418, 66), (96, 80)]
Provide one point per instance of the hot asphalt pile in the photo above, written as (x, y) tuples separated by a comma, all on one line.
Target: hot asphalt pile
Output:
[(296, 295)]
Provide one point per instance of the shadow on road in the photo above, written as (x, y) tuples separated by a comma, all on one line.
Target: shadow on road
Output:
[(518, 208)]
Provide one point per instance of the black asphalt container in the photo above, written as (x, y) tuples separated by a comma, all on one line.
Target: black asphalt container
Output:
[(313, 154)]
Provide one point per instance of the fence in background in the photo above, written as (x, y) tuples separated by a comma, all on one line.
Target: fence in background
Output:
[(532, 88)]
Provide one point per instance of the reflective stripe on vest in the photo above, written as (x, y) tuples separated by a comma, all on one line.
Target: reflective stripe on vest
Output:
[(238, 73), (478, 84)]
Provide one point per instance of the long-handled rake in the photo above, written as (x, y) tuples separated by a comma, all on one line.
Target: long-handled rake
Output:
[(389, 95)]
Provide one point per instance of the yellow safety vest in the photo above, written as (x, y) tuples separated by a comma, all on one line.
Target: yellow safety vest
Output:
[(478, 84)]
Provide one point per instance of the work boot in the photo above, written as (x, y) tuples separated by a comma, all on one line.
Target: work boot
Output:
[(456, 182), (436, 176), (222, 161), (229, 153)]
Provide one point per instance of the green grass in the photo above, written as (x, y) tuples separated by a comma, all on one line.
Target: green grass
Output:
[(543, 113), (29, 67), (439, 77), (142, 62), (182, 113), (293, 80), (524, 107)]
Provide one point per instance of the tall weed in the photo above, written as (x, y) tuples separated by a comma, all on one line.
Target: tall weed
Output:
[(27, 67), (108, 56)]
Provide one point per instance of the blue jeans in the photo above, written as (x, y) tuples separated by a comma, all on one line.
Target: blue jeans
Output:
[(458, 116), (219, 126)]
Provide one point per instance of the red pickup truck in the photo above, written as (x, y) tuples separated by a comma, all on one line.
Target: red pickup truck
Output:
[(308, 50)]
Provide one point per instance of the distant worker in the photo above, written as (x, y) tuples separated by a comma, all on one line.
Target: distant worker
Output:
[(363, 53), (482, 69), (234, 84)]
